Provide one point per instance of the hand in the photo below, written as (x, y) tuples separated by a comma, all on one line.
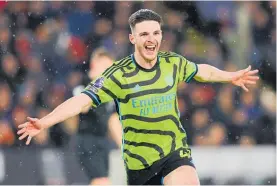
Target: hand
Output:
[(30, 128), (245, 77)]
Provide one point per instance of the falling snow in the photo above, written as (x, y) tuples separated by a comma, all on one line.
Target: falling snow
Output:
[(53, 83)]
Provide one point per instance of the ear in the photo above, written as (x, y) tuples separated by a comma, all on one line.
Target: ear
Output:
[(132, 39)]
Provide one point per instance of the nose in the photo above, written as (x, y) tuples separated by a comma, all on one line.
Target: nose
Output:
[(151, 38)]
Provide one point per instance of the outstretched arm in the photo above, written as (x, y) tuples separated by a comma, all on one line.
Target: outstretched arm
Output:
[(67, 109), (208, 73)]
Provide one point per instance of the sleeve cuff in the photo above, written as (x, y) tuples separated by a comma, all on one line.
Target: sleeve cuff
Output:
[(95, 99), (193, 74)]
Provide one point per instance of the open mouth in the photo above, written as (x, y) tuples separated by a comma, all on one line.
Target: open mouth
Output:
[(150, 48)]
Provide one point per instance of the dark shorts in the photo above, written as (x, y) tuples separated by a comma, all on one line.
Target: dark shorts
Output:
[(93, 154), (155, 174)]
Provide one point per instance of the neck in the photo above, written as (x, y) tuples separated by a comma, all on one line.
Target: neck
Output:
[(144, 63)]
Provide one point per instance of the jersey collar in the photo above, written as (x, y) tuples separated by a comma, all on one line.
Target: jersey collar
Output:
[(145, 69)]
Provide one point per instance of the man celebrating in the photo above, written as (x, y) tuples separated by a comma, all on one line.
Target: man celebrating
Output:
[(144, 86)]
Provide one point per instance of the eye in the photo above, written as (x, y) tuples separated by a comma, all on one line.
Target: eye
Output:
[(157, 33)]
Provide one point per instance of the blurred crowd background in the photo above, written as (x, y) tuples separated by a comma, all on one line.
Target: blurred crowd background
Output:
[(45, 49)]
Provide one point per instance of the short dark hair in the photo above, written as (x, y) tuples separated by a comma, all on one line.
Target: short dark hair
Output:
[(144, 15)]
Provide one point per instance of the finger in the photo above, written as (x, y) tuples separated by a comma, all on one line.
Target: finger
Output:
[(23, 125), (252, 77), (252, 72), (244, 87), (28, 140), (249, 82), (247, 69), (23, 136), (21, 131)]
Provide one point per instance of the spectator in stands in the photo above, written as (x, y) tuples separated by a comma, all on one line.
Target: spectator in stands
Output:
[(7, 136), (216, 135), (7, 101), (10, 70)]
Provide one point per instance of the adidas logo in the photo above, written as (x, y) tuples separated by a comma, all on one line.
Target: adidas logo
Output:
[(137, 88)]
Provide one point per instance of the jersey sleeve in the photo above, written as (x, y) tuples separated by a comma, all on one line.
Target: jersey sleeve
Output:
[(188, 70), (100, 91)]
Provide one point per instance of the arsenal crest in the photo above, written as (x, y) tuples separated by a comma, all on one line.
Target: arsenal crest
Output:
[(97, 85)]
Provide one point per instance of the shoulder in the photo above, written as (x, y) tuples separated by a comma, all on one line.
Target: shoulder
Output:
[(117, 66), (169, 54), (172, 57), (123, 62)]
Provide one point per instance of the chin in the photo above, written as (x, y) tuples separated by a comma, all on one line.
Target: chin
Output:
[(150, 58)]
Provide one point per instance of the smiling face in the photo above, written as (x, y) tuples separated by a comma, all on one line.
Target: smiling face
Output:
[(147, 37)]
